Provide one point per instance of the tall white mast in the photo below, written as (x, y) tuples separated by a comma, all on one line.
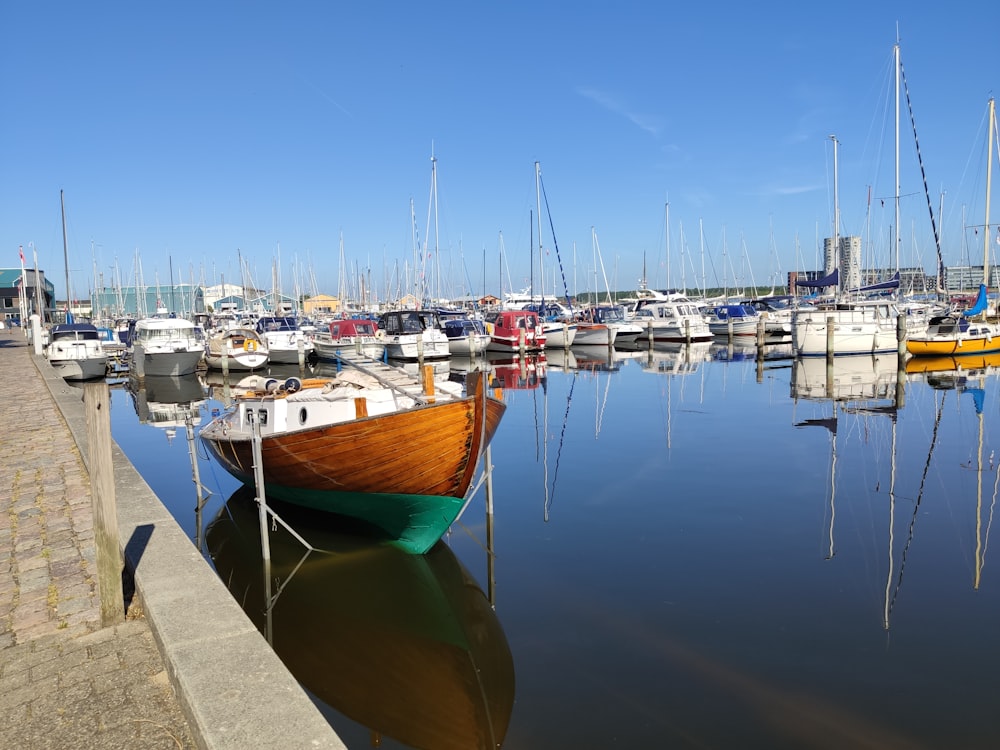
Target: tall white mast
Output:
[(538, 216), (832, 259), (989, 177), (666, 211), (895, 50)]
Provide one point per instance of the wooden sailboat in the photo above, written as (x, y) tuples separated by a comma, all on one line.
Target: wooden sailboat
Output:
[(375, 447), (965, 333)]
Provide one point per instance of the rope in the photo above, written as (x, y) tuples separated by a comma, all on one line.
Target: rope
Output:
[(923, 174), (555, 244)]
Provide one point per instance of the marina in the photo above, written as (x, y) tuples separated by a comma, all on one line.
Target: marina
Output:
[(302, 456), (689, 547)]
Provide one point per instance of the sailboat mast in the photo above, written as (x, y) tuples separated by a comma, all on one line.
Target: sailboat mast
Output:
[(989, 177), (538, 219), (895, 50), (62, 207), (831, 261), (666, 224)]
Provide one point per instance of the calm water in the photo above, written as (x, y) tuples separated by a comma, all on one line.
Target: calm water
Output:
[(689, 551)]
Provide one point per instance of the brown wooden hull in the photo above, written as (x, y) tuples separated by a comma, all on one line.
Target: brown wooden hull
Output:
[(428, 450)]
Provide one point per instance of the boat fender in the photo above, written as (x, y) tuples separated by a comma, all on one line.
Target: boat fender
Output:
[(292, 385), (249, 345)]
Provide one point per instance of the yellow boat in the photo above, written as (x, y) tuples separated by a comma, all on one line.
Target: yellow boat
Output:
[(955, 335)]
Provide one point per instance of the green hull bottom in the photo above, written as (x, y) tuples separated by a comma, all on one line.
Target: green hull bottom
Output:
[(413, 523)]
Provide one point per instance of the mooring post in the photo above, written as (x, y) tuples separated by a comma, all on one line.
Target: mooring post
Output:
[(199, 491), (258, 479), (139, 365), (97, 406), (829, 336)]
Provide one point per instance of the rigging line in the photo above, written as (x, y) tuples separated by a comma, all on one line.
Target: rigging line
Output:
[(534, 402), (604, 402), (920, 495), (989, 522), (562, 435), (923, 174), (555, 244)]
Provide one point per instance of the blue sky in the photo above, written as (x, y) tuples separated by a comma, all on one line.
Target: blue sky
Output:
[(188, 133)]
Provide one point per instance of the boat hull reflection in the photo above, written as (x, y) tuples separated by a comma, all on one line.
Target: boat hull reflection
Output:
[(406, 645)]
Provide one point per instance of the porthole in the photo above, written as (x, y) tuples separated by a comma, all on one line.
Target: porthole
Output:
[(303, 415)]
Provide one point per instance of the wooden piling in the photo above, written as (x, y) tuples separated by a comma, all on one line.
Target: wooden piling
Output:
[(97, 407)]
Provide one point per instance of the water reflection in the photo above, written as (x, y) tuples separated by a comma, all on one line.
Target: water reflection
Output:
[(846, 378), (966, 376), (603, 358), (676, 359), (518, 372), (407, 646), (167, 401)]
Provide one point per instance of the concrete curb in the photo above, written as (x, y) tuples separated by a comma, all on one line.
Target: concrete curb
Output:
[(234, 690)]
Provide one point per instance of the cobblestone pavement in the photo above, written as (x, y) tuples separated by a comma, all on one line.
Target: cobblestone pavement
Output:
[(65, 682)]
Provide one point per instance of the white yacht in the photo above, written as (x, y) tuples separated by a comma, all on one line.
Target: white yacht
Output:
[(166, 346)]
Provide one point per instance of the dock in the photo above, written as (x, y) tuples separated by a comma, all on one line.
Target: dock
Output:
[(186, 668)]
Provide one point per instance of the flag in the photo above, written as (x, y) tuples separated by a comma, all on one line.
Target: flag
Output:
[(20, 250)]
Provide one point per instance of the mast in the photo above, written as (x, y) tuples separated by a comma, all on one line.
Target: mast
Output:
[(989, 176), (895, 52), (666, 224), (538, 219), (831, 261), (62, 206)]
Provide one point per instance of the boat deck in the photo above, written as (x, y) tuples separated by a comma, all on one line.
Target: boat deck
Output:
[(393, 377)]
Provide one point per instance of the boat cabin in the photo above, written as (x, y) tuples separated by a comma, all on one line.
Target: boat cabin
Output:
[(74, 332), (276, 324), (341, 329), (402, 322)]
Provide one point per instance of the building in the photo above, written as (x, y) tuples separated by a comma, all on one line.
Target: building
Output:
[(320, 305), (968, 278), (185, 300), (10, 294)]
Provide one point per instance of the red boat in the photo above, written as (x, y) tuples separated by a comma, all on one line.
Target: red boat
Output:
[(514, 330)]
